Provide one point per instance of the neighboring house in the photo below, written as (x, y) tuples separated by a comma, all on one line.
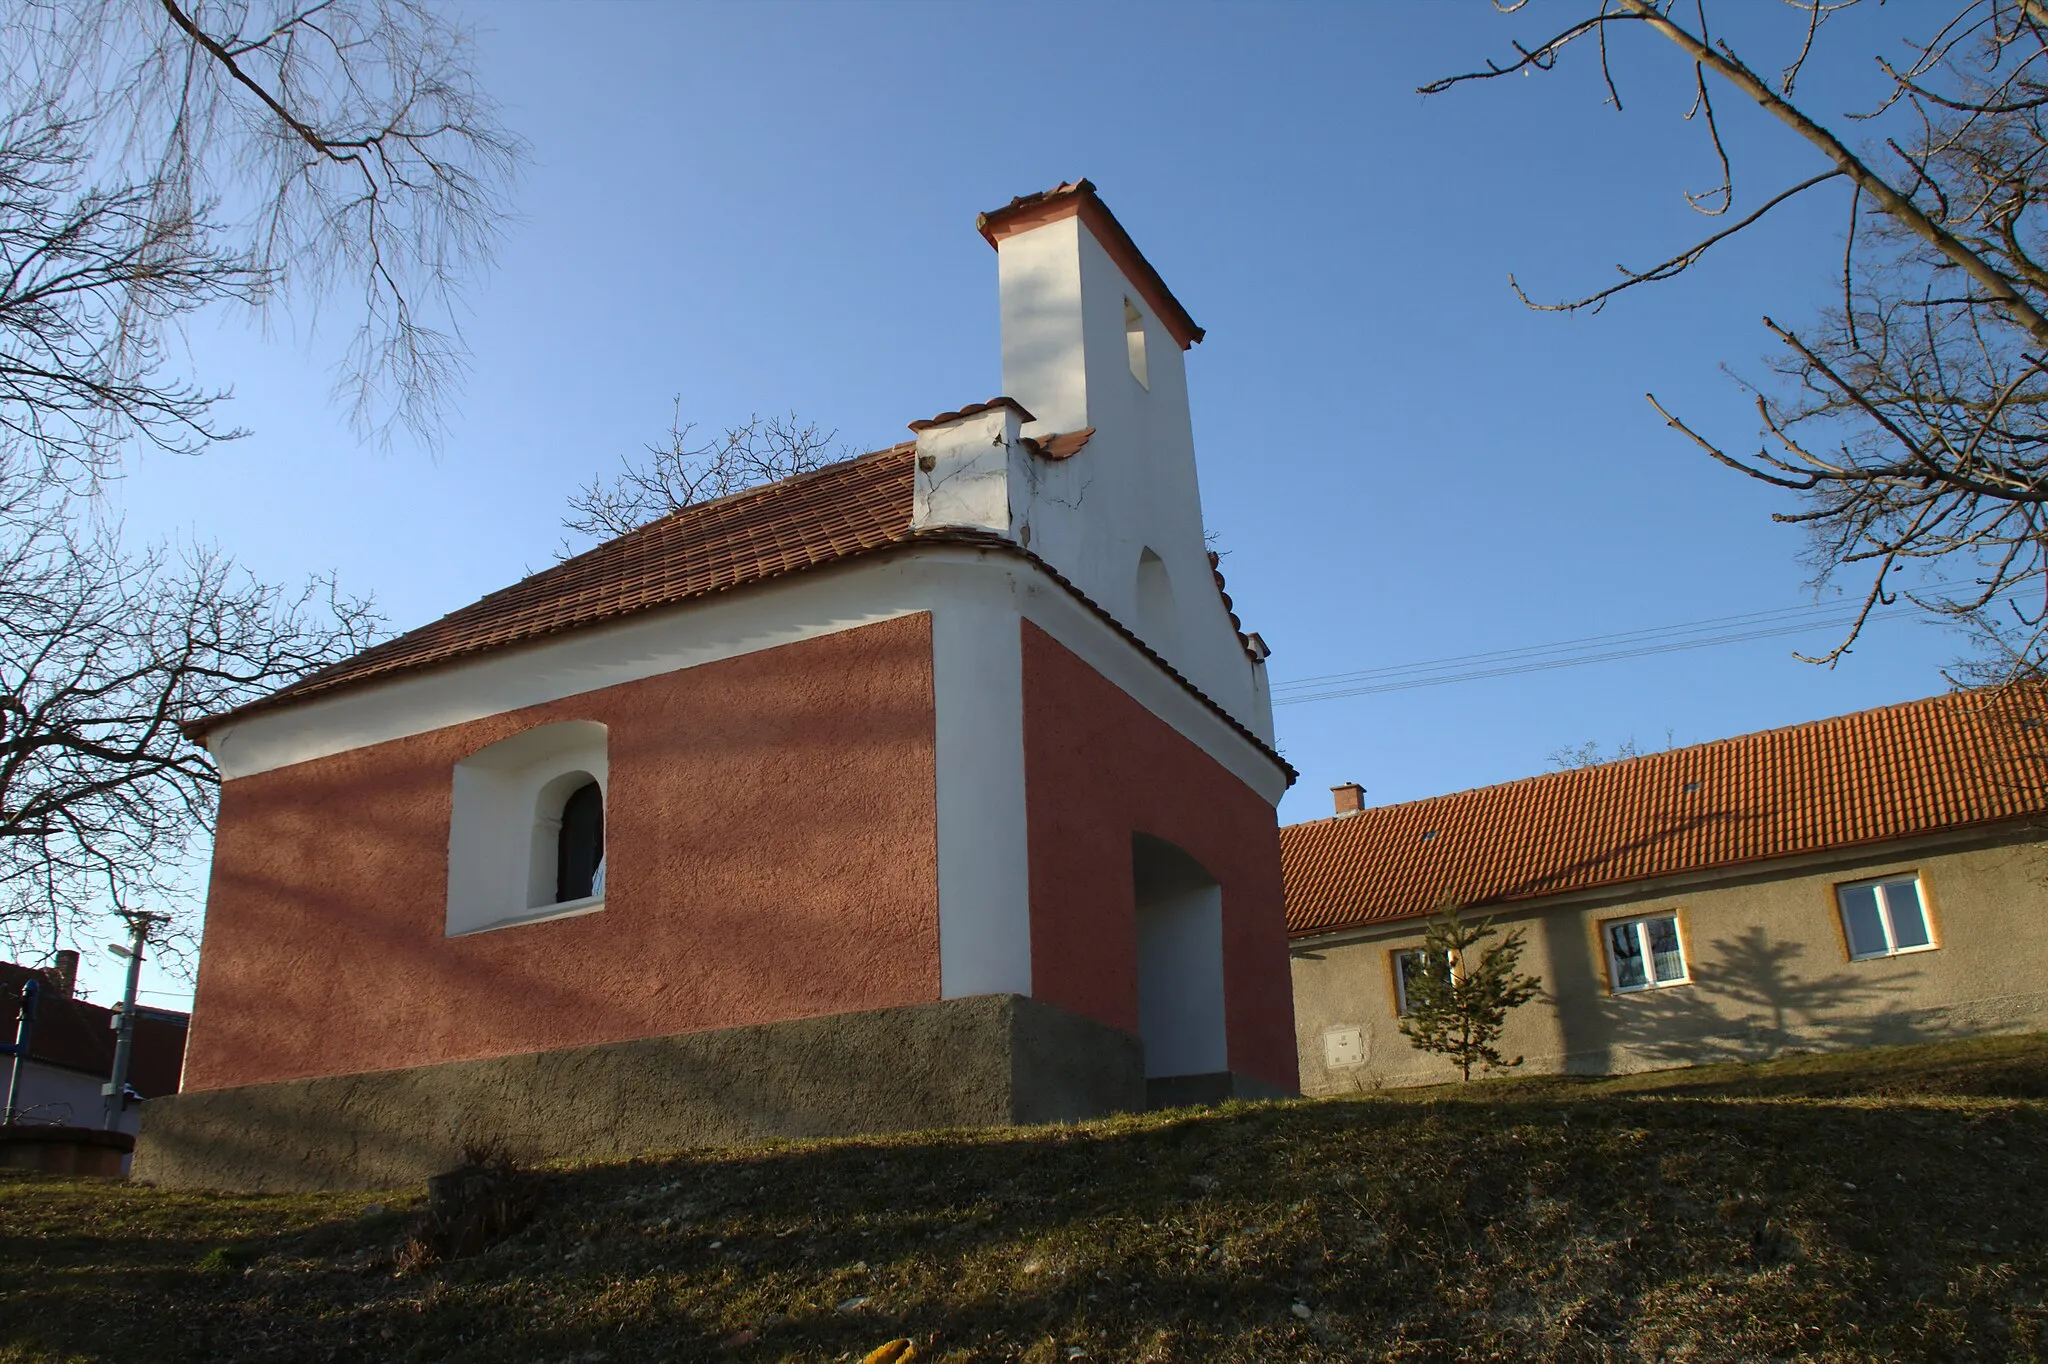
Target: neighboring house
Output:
[(1874, 878), (933, 787), (71, 1055)]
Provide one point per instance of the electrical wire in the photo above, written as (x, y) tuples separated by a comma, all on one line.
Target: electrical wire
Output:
[(1580, 652)]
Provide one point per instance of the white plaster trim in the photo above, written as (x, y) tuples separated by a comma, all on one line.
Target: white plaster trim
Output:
[(1054, 610), (710, 630), (729, 625), (568, 909), (983, 821)]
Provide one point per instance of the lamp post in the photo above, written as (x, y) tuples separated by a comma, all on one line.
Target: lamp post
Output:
[(115, 1091)]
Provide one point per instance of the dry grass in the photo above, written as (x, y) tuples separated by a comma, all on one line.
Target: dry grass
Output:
[(1885, 1205)]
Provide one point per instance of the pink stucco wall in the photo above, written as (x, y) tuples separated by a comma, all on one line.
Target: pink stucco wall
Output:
[(771, 853), (1099, 767)]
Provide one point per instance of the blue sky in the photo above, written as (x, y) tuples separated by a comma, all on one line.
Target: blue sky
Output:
[(769, 207)]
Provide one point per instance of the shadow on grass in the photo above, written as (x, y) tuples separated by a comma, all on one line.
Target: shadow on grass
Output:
[(1539, 1219), (1542, 1219)]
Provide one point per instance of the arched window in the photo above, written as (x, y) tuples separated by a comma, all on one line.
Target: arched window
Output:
[(579, 847), (526, 828)]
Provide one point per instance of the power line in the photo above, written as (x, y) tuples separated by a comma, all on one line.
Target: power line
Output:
[(1580, 652)]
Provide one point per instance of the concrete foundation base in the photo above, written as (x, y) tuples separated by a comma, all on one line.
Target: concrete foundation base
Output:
[(989, 1060)]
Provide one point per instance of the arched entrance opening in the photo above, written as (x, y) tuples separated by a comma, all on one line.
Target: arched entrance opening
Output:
[(1180, 967)]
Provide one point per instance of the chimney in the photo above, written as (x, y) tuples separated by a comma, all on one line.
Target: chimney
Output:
[(64, 975), (1079, 302), (1350, 798), (969, 468)]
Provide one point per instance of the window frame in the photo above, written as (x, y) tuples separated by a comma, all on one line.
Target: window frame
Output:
[(1650, 981), (505, 805), (1923, 901), (1395, 957)]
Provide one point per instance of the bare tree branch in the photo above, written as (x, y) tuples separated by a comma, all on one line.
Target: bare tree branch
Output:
[(1911, 422), (683, 472), (102, 653)]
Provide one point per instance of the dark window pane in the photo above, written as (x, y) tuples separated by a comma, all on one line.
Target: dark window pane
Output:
[(1861, 922), (1667, 961), (1909, 923), (580, 845), (1626, 947)]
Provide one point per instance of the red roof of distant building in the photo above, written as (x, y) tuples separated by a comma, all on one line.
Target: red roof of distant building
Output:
[(1949, 762), (79, 1036)]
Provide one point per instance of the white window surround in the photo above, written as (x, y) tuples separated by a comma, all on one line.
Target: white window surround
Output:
[(1884, 917), (1644, 953), (504, 820)]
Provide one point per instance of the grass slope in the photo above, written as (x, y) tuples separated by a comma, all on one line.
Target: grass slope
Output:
[(1885, 1205)]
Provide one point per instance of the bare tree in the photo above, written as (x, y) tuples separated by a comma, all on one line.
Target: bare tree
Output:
[(86, 271), (334, 152), (1909, 419), (1591, 754), (159, 158), (683, 472), (102, 652)]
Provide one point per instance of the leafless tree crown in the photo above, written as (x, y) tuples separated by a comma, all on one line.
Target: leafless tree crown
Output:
[(1909, 419), (102, 652), (683, 471), (157, 158), (338, 154)]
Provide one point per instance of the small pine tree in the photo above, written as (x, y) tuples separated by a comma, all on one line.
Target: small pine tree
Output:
[(1457, 1006)]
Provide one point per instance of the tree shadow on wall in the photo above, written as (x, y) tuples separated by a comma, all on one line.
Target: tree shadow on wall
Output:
[(1748, 1001)]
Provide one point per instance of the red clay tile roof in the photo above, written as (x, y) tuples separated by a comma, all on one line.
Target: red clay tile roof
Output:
[(856, 507), (1065, 445), (975, 410), (1077, 198), (1926, 766), (843, 509)]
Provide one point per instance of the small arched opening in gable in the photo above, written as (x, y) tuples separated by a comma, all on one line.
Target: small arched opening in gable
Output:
[(1156, 619)]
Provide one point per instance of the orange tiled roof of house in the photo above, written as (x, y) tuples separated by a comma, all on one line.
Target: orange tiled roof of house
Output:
[(855, 507), (1945, 763)]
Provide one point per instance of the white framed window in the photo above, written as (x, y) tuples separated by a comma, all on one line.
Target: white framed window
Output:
[(526, 828), (1885, 917), (1409, 964), (1644, 953)]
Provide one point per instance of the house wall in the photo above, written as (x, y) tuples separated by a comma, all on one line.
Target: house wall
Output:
[(1769, 971), (770, 854), (1100, 768)]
